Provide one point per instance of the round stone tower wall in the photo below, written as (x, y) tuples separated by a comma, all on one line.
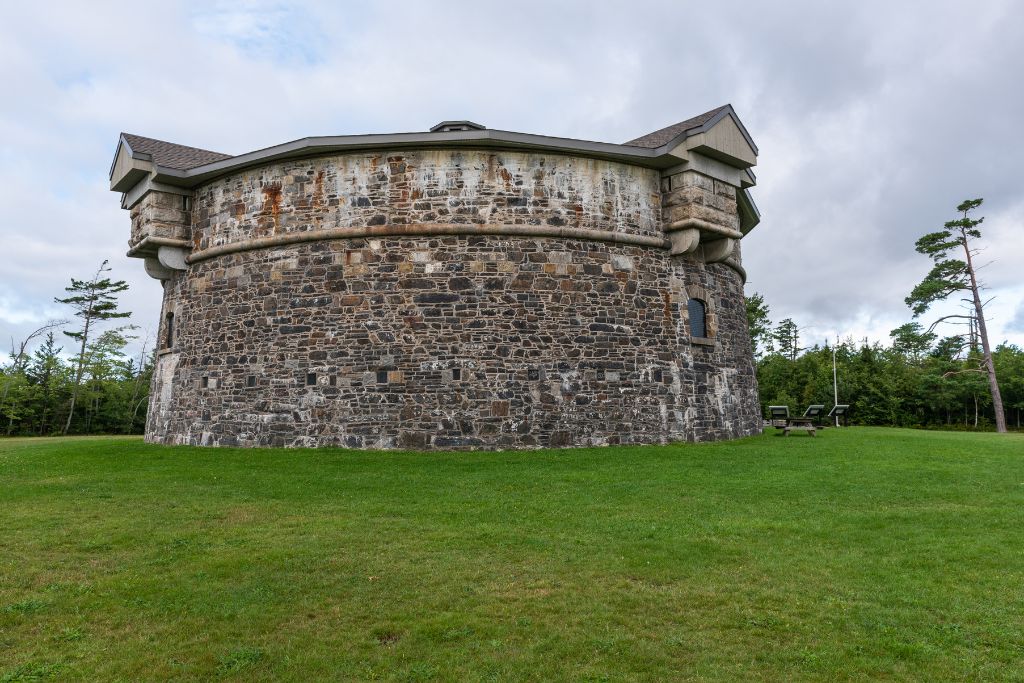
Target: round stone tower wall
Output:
[(448, 299)]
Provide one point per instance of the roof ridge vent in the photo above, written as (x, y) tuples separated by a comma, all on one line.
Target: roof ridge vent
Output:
[(452, 126)]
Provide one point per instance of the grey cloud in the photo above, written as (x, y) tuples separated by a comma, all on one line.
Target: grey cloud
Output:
[(874, 119), (1017, 324)]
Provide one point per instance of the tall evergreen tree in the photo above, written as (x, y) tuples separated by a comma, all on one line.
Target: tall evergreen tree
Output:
[(759, 325), (950, 275), (787, 338), (48, 373), (13, 377), (912, 340), (94, 301)]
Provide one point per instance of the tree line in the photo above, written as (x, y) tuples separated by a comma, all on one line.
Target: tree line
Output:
[(900, 384), (921, 379), (90, 387)]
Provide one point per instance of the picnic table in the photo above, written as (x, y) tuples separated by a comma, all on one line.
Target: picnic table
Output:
[(805, 423), (781, 419)]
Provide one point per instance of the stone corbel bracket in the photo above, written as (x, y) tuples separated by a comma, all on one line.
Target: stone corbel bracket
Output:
[(166, 262), (172, 258), (157, 271), (717, 242), (163, 256)]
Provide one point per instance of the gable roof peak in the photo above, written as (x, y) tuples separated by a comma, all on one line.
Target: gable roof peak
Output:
[(691, 126), (170, 154)]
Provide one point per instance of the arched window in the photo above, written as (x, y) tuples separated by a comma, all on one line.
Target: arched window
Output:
[(697, 311)]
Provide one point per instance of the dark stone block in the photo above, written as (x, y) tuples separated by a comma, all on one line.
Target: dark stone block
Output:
[(457, 442), (414, 440), (416, 283), (560, 439), (437, 298)]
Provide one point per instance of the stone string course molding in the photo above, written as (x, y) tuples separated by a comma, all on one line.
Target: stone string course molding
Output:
[(426, 230), (447, 299)]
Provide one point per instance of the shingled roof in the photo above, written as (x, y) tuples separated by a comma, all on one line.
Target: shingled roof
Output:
[(715, 134), (170, 155), (670, 133)]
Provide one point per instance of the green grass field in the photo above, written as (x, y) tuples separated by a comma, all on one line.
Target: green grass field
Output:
[(859, 554)]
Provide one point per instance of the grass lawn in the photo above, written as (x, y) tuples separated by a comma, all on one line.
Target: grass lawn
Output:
[(862, 553)]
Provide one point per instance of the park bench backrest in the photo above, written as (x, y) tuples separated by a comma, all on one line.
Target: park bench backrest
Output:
[(814, 411)]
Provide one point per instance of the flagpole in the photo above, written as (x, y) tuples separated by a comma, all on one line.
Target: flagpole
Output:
[(835, 382)]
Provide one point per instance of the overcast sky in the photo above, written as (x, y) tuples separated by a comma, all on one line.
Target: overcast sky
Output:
[(873, 119)]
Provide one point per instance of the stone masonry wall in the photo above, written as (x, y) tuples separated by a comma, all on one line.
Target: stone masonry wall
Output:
[(427, 187), (693, 195), (424, 341), (160, 214)]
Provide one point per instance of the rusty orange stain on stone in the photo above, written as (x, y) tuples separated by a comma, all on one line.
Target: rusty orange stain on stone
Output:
[(578, 210), (272, 203), (318, 189), (506, 178)]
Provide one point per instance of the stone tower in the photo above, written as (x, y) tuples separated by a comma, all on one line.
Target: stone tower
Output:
[(457, 288)]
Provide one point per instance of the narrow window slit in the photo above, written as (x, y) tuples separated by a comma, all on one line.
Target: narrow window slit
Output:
[(169, 330), (697, 312)]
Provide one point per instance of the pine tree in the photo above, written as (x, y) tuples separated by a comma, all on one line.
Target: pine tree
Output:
[(48, 373), (787, 337), (950, 275), (759, 325), (912, 340), (94, 301), (14, 376)]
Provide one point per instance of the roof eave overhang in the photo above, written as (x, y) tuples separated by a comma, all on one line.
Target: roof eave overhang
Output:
[(658, 159), (661, 158), (750, 215), (129, 167)]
